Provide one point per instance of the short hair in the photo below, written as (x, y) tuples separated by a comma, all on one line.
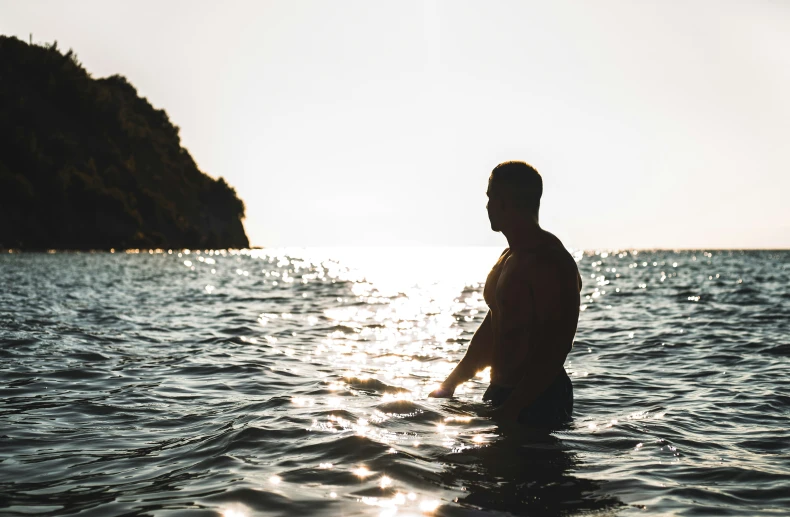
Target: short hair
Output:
[(522, 181)]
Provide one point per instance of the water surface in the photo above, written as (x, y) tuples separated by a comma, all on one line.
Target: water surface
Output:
[(294, 382)]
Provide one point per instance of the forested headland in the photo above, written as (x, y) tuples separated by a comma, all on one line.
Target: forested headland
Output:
[(89, 164)]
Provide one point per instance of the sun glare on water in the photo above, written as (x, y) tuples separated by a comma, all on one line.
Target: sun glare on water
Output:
[(395, 335)]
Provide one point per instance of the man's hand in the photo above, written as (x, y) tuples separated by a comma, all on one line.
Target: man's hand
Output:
[(442, 393)]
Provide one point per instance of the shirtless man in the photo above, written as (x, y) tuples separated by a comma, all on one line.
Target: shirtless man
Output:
[(533, 297)]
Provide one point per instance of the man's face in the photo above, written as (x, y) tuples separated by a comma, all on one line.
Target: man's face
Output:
[(494, 207)]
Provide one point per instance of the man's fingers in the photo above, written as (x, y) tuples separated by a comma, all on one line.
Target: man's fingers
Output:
[(441, 393)]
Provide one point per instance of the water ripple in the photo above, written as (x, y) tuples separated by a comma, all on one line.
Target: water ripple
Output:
[(283, 382)]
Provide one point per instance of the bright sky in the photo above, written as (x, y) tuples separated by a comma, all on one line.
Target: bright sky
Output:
[(654, 124)]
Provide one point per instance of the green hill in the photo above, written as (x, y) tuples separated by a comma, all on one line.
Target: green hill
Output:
[(89, 164)]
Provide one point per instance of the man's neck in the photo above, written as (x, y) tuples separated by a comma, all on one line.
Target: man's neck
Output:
[(524, 236)]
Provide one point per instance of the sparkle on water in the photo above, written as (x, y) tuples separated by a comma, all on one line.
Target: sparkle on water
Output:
[(288, 381)]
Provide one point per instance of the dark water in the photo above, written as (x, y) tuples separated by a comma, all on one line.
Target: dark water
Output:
[(284, 383)]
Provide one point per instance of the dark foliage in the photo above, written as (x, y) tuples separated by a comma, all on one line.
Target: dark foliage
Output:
[(88, 164)]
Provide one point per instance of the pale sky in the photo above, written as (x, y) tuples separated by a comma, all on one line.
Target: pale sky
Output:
[(654, 124)]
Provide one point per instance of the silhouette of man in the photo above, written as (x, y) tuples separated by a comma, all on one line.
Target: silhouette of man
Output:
[(533, 297)]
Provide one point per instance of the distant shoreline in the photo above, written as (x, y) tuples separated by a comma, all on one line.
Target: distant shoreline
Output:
[(152, 251)]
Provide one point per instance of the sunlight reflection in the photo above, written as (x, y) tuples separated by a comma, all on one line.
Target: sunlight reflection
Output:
[(401, 395), (391, 334), (362, 472), (429, 505)]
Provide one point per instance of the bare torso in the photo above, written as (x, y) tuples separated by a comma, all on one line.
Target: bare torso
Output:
[(508, 356)]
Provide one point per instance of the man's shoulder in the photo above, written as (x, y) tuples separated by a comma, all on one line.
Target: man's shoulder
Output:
[(523, 267), (542, 263)]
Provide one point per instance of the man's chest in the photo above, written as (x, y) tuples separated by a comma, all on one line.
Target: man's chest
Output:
[(497, 275)]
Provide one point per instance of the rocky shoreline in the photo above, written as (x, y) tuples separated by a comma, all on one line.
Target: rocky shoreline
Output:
[(89, 164)]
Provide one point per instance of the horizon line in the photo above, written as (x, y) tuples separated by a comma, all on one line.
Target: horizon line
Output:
[(8, 251)]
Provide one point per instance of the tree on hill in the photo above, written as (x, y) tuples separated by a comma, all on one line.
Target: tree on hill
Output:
[(89, 164)]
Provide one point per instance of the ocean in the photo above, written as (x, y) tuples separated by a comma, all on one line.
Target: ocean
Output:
[(295, 381)]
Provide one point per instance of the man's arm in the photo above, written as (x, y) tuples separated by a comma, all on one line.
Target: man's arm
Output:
[(478, 356), (543, 324)]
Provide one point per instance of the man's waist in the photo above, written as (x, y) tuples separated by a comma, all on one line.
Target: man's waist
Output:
[(509, 379), (498, 393)]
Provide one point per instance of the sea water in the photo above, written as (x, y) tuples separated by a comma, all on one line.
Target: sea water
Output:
[(295, 382)]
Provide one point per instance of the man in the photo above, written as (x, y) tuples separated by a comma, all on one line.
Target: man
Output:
[(533, 297)]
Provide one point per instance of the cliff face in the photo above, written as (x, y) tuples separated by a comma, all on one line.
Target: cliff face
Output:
[(88, 164)]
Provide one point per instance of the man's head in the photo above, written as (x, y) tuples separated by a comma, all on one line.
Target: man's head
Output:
[(514, 191)]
